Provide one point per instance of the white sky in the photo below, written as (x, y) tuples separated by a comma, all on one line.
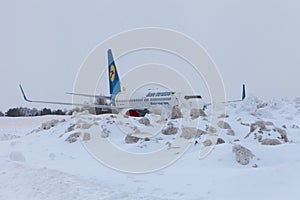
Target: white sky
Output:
[(43, 43)]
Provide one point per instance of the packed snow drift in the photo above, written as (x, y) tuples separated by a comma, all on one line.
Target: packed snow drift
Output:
[(256, 156)]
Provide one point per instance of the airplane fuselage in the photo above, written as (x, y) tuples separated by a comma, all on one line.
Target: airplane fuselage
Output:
[(144, 101)]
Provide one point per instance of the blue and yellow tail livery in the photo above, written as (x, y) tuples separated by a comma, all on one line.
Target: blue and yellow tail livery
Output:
[(114, 81)]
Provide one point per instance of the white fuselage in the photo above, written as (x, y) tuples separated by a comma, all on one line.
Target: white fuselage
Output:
[(145, 101), (142, 101)]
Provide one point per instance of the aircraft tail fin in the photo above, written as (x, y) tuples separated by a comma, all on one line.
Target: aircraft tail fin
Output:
[(244, 92), (113, 77)]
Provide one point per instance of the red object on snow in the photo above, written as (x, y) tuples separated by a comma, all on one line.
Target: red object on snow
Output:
[(132, 113)]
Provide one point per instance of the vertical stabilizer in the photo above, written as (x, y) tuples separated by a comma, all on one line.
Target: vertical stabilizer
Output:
[(113, 77), (244, 92)]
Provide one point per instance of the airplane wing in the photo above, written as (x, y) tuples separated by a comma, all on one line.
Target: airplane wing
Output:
[(65, 103), (89, 95)]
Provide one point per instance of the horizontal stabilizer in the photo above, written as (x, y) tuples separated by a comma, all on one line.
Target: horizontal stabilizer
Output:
[(192, 97)]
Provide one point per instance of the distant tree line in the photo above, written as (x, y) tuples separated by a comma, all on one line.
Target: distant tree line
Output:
[(26, 112)]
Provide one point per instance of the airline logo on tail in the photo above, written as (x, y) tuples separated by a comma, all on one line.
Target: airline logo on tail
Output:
[(112, 73)]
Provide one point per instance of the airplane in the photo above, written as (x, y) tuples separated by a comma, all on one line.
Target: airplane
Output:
[(137, 106)]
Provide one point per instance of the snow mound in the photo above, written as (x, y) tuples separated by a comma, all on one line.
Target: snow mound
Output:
[(176, 112), (129, 139), (195, 113), (145, 121), (73, 137), (242, 154), (190, 132), (49, 124), (224, 125), (17, 156), (170, 130), (52, 164), (269, 141), (5, 137)]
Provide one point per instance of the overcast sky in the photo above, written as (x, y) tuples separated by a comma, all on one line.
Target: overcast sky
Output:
[(43, 43)]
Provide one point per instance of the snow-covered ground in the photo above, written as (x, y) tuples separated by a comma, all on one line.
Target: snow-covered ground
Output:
[(38, 161)]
